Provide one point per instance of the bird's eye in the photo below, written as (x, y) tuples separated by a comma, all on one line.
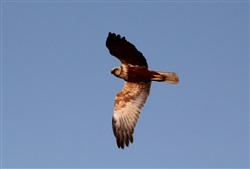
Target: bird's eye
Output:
[(114, 71)]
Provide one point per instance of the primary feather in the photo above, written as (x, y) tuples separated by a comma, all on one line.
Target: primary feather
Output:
[(124, 50), (128, 104)]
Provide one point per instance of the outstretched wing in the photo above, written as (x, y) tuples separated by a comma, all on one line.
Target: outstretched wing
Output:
[(124, 50), (128, 104)]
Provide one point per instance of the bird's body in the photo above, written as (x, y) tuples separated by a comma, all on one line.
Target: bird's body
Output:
[(129, 101), (133, 73)]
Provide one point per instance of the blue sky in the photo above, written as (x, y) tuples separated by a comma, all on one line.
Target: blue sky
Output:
[(58, 93)]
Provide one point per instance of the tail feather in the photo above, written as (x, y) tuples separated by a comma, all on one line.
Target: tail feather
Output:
[(168, 77)]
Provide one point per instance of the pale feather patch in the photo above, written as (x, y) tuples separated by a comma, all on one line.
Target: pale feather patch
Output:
[(128, 104)]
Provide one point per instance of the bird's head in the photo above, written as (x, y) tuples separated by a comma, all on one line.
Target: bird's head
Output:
[(116, 71)]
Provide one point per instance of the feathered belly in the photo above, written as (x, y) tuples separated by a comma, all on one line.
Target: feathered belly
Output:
[(138, 74)]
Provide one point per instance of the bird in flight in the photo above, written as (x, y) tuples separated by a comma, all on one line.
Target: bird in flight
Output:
[(137, 77)]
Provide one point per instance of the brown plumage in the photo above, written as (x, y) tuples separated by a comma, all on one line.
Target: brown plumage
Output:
[(124, 51), (130, 100)]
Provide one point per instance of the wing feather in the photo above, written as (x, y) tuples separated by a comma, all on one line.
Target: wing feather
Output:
[(128, 104), (124, 50)]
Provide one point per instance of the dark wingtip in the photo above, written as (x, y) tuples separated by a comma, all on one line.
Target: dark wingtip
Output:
[(116, 36), (125, 51), (122, 142), (111, 34)]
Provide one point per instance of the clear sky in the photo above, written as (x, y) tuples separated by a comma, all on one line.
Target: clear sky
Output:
[(58, 92)]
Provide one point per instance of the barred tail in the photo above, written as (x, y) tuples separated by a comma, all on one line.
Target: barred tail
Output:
[(168, 77)]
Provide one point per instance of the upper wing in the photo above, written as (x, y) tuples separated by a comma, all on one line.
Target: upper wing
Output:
[(128, 104), (124, 51)]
